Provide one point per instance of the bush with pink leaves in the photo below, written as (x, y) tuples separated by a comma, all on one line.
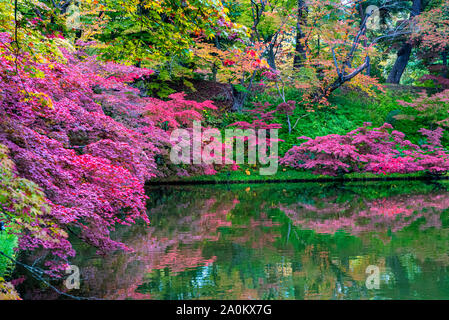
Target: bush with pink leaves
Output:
[(376, 150)]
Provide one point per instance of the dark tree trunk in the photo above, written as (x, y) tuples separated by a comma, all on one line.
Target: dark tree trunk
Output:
[(343, 75), (365, 42), (271, 57), (239, 96), (238, 100), (405, 51), (300, 49), (444, 57), (400, 64)]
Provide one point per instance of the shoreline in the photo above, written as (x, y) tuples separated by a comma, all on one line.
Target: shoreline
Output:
[(292, 177)]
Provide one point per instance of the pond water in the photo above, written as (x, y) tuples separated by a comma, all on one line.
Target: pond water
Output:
[(277, 241)]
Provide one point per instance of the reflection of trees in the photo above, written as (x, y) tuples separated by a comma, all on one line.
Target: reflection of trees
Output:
[(275, 243), (378, 215), (174, 243)]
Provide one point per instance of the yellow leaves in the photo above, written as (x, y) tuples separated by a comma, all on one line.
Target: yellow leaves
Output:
[(153, 5), (190, 85), (45, 100), (41, 59), (264, 64), (39, 74), (7, 291), (8, 57)]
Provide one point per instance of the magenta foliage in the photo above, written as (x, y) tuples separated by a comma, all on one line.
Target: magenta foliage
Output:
[(373, 150), (79, 131), (441, 81), (287, 107), (433, 138), (260, 117)]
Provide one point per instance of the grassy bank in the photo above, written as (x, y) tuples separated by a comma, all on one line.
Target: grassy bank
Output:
[(253, 176)]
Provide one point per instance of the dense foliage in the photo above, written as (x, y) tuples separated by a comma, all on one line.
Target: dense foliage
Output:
[(371, 150), (73, 126), (90, 92)]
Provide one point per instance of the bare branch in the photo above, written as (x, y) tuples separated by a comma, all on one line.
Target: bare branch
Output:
[(336, 63)]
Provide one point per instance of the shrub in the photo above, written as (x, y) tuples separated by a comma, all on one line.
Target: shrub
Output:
[(375, 150)]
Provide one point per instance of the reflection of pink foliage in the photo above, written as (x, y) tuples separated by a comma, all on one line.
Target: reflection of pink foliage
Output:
[(179, 261), (177, 246), (393, 213)]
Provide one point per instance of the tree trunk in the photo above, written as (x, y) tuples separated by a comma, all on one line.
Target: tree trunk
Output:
[(365, 42), (271, 59), (400, 64), (238, 99), (444, 58), (239, 96), (405, 50), (300, 49)]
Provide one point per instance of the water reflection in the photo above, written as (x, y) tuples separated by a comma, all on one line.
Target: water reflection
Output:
[(296, 241)]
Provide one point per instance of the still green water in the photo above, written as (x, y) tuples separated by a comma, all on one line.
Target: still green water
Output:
[(290, 241)]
